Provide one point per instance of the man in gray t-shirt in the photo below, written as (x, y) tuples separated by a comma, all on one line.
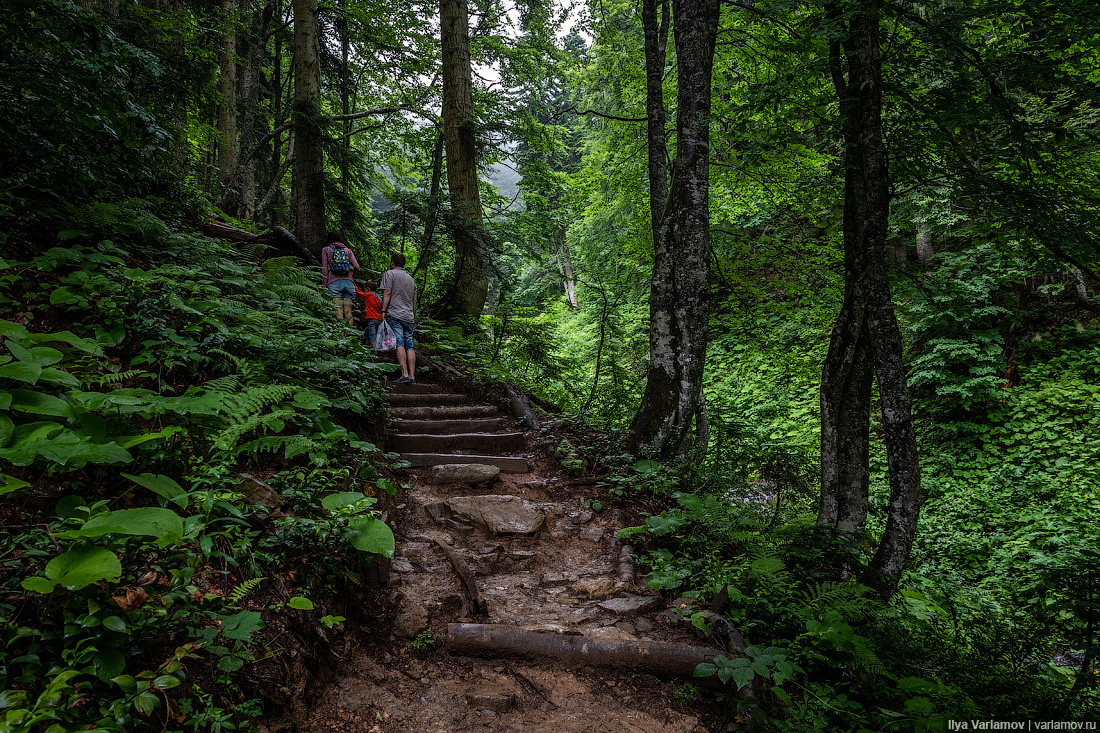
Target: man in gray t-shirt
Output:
[(399, 310)]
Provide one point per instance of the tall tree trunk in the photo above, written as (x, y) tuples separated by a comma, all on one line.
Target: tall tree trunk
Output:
[(227, 85), (565, 266), (347, 209), (925, 253), (431, 216), (678, 323), (308, 167), (866, 334), (471, 284), (655, 35)]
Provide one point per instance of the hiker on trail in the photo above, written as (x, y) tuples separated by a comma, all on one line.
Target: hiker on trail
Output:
[(399, 310), (338, 267), (373, 310)]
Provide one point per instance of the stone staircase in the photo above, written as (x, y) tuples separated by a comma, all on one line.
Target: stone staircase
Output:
[(436, 427)]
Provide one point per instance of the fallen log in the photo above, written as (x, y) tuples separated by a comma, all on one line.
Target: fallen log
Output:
[(278, 237), (465, 575), (626, 565), (656, 657), (520, 407)]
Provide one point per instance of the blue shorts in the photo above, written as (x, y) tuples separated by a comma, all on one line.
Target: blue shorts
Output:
[(371, 332), (342, 289), (403, 330)]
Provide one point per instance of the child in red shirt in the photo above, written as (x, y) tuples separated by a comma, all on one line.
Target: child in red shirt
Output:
[(373, 310)]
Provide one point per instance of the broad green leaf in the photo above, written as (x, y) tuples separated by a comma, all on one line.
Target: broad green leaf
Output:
[(341, 499), (704, 669), (65, 295), (53, 375), (302, 604), (767, 565), (21, 371), (114, 623), (7, 429), (369, 534), (108, 663), (9, 484), (13, 330), (166, 682), (164, 524), (68, 337), (78, 568), (646, 466), (146, 703), (241, 626), (36, 403), (159, 485)]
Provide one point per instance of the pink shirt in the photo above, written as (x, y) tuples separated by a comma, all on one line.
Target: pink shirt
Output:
[(326, 274)]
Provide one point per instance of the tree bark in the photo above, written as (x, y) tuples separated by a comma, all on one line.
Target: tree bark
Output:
[(308, 167), (471, 285), (227, 86), (565, 267), (925, 252), (679, 292), (866, 335), (655, 35)]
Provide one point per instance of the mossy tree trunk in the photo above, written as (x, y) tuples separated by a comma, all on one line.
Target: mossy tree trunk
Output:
[(679, 306)]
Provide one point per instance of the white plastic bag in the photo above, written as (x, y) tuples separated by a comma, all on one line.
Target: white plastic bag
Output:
[(385, 340)]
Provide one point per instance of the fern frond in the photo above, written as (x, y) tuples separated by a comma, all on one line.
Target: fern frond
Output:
[(116, 378), (244, 589)]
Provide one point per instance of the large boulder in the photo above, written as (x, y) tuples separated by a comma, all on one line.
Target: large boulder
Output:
[(498, 514)]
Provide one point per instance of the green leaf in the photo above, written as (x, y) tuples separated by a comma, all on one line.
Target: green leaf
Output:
[(78, 568), (341, 499), (743, 676), (166, 682), (369, 534), (36, 403), (704, 669), (10, 484), (241, 626), (108, 663), (114, 623), (164, 524), (646, 467), (160, 485), (784, 698), (303, 604), (126, 682), (146, 703), (21, 371), (65, 295)]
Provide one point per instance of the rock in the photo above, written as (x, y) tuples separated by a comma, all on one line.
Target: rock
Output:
[(584, 517), (599, 587), (632, 604), (401, 565), (643, 625), (611, 633), (592, 534), (499, 514), (257, 492), (410, 621), (439, 512), (627, 627), (468, 473)]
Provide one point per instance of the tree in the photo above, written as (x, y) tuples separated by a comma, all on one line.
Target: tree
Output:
[(471, 279), (679, 307), (309, 161)]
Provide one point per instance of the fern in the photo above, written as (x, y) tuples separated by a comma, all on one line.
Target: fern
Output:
[(241, 591), (847, 598), (118, 377)]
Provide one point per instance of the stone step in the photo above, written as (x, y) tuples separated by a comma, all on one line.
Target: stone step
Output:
[(414, 443), (449, 427), (418, 388), (423, 400), (511, 464), (443, 413)]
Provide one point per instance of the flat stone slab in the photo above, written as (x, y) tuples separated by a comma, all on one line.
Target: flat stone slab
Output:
[(471, 473), (425, 399), (443, 413), (422, 442), (512, 464), (632, 604), (500, 514), (443, 427)]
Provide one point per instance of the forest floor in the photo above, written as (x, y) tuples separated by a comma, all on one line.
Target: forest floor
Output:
[(552, 579)]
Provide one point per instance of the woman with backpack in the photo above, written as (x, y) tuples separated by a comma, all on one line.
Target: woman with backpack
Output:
[(338, 267)]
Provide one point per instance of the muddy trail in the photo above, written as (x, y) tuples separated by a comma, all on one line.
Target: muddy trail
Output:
[(513, 606)]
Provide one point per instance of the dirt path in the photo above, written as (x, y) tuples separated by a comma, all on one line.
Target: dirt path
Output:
[(535, 558)]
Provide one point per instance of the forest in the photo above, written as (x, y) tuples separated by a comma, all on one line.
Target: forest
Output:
[(808, 290)]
